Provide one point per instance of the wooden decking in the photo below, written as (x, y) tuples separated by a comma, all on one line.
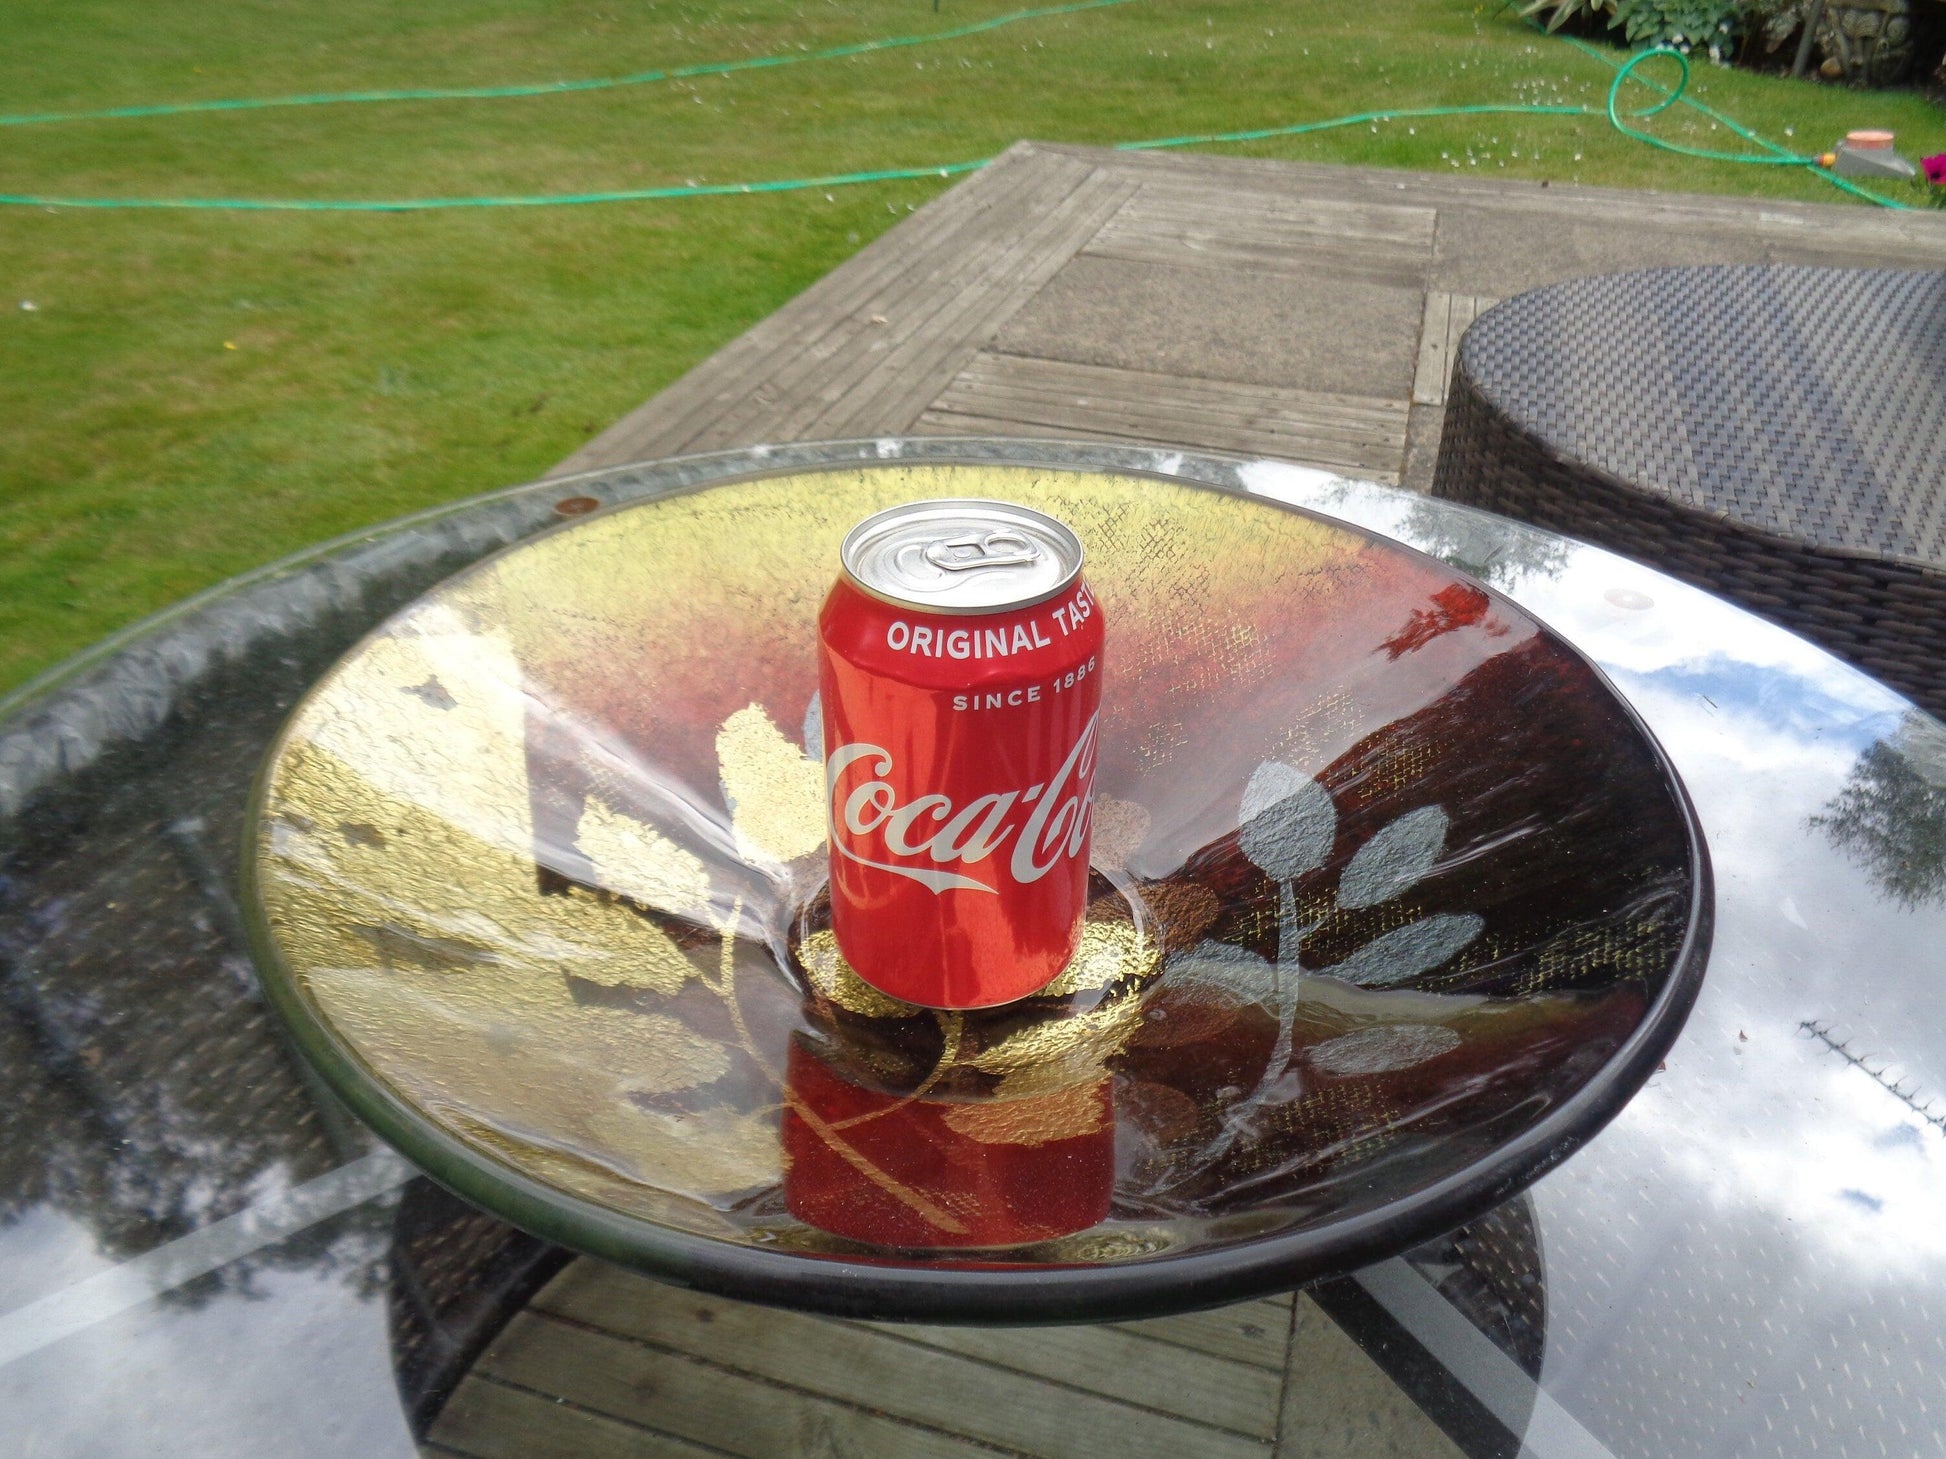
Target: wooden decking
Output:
[(606, 1364), (1302, 312)]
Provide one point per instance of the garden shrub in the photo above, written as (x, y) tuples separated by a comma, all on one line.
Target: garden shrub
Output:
[(1710, 26)]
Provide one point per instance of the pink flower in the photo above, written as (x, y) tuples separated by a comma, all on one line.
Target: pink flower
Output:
[(1935, 167)]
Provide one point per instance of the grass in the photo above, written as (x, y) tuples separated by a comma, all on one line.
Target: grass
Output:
[(196, 393)]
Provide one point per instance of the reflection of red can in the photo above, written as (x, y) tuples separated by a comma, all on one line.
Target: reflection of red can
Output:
[(960, 670), (894, 1170)]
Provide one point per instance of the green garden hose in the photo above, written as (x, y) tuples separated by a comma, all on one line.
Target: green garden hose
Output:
[(538, 200), (1776, 156), (554, 88), (1771, 156)]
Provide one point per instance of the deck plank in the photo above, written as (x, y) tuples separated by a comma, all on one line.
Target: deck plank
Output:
[(488, 1420), (1338, 432), (1270, 217), (1211, 1390), (1199, 226), (1247, 1332), (877, 1370), (948, 423), (915, 302), (709, 1403), (1446, 319), (1151, 433), (1339, 1404), (1770, 219)]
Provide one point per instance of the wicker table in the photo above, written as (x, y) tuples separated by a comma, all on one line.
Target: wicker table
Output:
[(1774, 434)]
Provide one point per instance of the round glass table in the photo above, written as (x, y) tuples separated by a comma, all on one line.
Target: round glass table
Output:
[(204, 1251)]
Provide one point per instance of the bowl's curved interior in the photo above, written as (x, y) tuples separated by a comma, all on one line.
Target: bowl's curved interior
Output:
[(1386, 874)]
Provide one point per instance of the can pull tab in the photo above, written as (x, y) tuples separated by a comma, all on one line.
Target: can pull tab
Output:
[(978, 550)]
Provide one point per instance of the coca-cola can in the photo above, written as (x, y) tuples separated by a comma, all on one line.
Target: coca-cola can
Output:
[(960, 673)]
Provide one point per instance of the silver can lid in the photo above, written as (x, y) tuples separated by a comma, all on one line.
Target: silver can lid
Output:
[(961, 555)]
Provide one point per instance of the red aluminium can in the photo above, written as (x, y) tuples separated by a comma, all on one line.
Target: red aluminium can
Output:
[(960, 658)]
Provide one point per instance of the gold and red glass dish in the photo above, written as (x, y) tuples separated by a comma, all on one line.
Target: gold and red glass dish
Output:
[(1393, 903)]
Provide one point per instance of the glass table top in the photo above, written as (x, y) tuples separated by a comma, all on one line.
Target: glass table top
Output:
[(199, 1252), (1394, 902)]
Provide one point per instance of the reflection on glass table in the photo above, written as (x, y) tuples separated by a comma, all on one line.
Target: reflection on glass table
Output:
[(203, 1255)]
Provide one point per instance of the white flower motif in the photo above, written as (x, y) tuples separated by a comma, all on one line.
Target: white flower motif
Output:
[(1288, 828)]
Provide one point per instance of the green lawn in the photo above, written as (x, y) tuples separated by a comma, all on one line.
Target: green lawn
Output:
[(196, 393)]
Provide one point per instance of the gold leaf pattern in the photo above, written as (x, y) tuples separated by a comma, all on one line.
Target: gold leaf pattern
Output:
[(1108, 952), (1056, 1053), (637, 861), (434, 712), (827, 971), (776, 795), (718, 1150), (1067, 1114), (433, 897)]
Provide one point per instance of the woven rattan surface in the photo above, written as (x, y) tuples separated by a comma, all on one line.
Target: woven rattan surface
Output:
[(1775, 434)]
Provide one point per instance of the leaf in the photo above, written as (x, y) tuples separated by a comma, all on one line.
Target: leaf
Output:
[(1061, 1047), (1405, 952), (827, 971), (1562, 11), (1119, 829), (633, 859), (712, 1152), (1107, 953), (1229, 969), (600, 942), (1396, 858), (1288, 821), (1066, 1114), (1384, 1049), (670, 1056), (776, 795)]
